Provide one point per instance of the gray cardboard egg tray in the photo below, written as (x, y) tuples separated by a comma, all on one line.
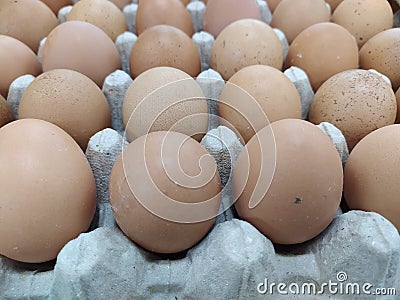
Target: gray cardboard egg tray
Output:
[(234, 261)]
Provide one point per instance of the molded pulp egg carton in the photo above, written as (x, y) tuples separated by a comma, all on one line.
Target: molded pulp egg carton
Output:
[(234, 261)]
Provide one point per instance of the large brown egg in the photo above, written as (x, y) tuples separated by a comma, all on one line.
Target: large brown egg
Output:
[(364, 19), (255, 96), (26, 20), (48, 192), (68, 99), (165, 191), (103, 14), (16, 59), (56, 5), (288, 181), (293, 16), (244, 43), (164, 45), (82, 47), (162, 99), (221, 13), (168, 12), (355, 101), (323, 50), (381, 53), (6, 115), (371, 175)]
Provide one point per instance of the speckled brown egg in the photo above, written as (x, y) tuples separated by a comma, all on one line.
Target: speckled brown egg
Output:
[(244, 43), (68, 99), (48, 191), (55, 6), (103, 14), (293, 16), (288, 181), (255, 96), (164, 45), (6, 115), (364, 19), (323, 50), (371, 174), (82, 47), (167, 12), (357, 102), (173, 204), (381, 53), (16, 59), (26, 20)]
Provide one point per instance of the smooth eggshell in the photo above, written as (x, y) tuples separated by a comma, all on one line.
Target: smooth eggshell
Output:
[(6, 115), (55, 5)]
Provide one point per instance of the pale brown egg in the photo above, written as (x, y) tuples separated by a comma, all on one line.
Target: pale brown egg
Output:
[(167, 12), (6, 115), (288, 181), (55, 6), (16, 59), (164, 45), (82, 47), (221, 13), (364, 19), (355, 101), (171, 205), (244, 43), (26, 20), (48, 192), (371, 174), (255, 96), (323, 50), (162, 99), (103, 14)]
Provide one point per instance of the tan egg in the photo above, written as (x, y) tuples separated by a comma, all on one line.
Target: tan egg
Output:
[(68, 99), (16, 59), (6, 115), (397, 94), (164, 45), (293, 16), (381, 53), (121, 3), (244, 43), (55, 6), (221, 13), (288, 181), (173, 204), (103, 14), (329, 43), (162, 99), (167, 12), (48, 192), (364, 19), (371, 175), (26, 20), (355, 101), (82, 47), (272, 4), (333, 4), (255, 96)]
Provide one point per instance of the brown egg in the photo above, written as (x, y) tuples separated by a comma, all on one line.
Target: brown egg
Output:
[(333, 4), (164, 45), (221, 13), (355, 101), (103, 14), (68, 99), (26, 20), (121, 3), (172, 205), (6, 115), (288, 181), (272, 4), (329, 43), (16, 59), (167, 12), (48, 192), (255, 96), (293, 16), (364, 19), (371, 175), (56, 5), (82, 47), (381, 53), (244, 43), (162, 99)]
